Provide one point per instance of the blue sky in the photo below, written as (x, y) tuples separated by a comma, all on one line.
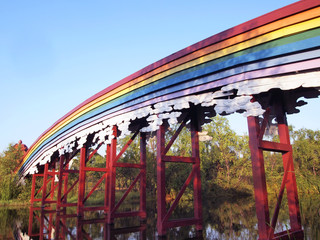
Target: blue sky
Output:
[(56, 54)]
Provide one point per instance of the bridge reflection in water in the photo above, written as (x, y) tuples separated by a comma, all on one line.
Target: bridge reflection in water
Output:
[(47, 223)]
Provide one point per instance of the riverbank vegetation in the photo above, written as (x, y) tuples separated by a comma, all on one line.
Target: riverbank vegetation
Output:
[(12, 193), (225, 165)]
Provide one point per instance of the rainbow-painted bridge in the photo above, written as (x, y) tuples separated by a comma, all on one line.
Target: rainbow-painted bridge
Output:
[(260, 67)]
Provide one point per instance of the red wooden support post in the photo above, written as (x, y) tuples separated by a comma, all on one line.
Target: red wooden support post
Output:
[(50, 225), (41, 224), (161, 186), (291, 184), (259, 178), (60, 179), (163, 217), (197, 172), (30, 221), (58, 233), (82, 177), (64, 198), (53, 172), (44, 187), (62, 231), (57, 227), (107, 235), (85, 157), (59, 193), (112, 163), (107, 180), (143, 157), (62, 186), (112, 176), (257, 146), (33, 187), (79, 228), (65, 186)]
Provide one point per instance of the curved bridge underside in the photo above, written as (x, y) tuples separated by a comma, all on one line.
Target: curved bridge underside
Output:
[(279, 50)]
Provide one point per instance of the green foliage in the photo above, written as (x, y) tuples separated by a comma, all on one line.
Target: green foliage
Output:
[(307, 150), (10, 218), (132, 155), (151, 167), (225, 164), (226, 158), (177, 173), (9, 189)]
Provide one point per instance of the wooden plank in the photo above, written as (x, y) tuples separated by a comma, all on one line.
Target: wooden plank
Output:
[(274, 146), (179, 159)]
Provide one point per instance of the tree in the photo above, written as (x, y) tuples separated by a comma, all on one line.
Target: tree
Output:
[(307, 149), (226, 157), (306, 154), (125, 176), (9, 161)]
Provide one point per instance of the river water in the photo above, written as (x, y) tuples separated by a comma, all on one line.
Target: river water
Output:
[(222, 219)]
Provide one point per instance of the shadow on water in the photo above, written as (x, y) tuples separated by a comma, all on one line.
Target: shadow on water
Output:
[(226, 218)]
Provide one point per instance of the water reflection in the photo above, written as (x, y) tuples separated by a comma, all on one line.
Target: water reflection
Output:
[(48, 224), (223, 219)]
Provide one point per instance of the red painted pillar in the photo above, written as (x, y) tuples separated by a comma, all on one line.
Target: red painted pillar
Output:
[(79, 228), (50, 226), (65, 185), (163, 217), (53, 175), (107, 232), (31, 209), (57, 227), (64, 200), (33, 187), (59, 192), (107, 180), (291, 184), (197, 176), (161, 188), (82, 178), (259, 178), (143, 157), (44, 189), (60, 178), (42, 226), (112, 176)]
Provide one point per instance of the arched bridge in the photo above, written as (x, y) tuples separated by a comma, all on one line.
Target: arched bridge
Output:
[(260, 67)]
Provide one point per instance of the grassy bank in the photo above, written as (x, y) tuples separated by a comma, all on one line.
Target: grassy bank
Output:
[(14, 203)]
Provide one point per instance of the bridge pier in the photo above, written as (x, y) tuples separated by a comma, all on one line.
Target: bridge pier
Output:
[(48, 176), (110, 206), (266, 226), (257, 146), (163, 216), (113, 164), (34, 194), (63, 180)]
